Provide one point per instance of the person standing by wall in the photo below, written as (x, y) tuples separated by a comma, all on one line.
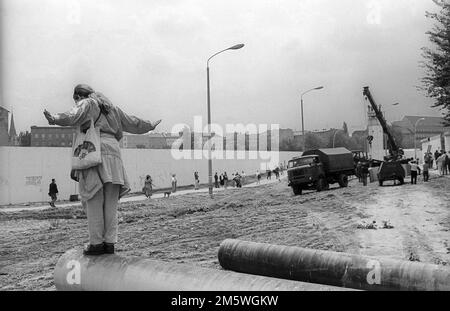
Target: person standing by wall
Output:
[(196, 181), (415, 170), (436, 156), (225, 180), (174, 183), (448, 162), (216, 180), (221, 180), (103, 185), (52, 192), (258, 177), (148, 187), (440, 163), (364, 172), (358, 171), (445, 163), (425, 170)]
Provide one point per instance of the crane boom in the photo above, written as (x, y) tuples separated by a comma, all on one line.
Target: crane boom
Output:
[(392, 145)]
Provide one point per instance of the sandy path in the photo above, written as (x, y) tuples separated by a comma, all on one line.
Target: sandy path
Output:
[(419, 215), (189, 228)]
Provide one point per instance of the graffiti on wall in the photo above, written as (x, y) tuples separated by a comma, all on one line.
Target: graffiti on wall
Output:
[(33, 180)]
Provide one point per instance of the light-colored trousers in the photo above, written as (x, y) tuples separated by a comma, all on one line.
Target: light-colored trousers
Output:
[(101, 213)]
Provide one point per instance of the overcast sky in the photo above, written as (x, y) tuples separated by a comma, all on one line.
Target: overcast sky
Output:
[(149, 58)]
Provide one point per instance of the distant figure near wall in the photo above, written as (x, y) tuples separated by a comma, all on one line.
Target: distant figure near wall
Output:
[(52, 192), (196, 181), (174, 183), (148, 187)]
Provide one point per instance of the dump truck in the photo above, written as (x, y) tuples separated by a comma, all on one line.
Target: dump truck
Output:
[(317, 169)]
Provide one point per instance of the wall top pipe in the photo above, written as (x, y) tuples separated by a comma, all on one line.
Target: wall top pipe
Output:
[(331, 268), (74, 271)]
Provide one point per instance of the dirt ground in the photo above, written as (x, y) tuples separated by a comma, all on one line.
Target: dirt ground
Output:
[(189, 228)]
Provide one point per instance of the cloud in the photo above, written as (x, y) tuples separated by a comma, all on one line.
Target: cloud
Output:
[(150, 57)]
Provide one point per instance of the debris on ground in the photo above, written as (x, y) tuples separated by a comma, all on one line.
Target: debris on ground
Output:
[(365, 225), (413, 257), (387, 224)]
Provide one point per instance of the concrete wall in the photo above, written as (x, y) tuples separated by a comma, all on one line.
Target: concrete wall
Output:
[(26, 172)]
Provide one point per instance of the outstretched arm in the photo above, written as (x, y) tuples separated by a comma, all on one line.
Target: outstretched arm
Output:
[(135, 125), (79, 114)]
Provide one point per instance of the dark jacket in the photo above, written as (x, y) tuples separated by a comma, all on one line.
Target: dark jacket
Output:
[(53, 189)]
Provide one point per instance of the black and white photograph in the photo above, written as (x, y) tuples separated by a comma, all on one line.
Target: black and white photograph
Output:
[(224, 152)]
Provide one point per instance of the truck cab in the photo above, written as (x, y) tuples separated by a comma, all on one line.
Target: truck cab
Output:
[(304, 171)]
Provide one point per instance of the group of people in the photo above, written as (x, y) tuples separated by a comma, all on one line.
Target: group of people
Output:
[(148, 185), (277, 171), (223, 181), (441, 159), (237, 180)]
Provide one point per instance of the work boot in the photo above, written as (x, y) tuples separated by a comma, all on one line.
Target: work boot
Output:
[(108, 248), (94, 250)]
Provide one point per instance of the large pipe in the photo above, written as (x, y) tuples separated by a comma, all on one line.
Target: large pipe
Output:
[(332, 268), (74, 271)]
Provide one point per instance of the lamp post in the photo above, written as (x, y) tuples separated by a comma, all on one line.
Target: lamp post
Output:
[(303, 125), (234, 47), (334, 136), (415, 137)]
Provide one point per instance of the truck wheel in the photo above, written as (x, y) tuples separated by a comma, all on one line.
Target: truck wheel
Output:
[(401, 180), (343, 181), (321, 184), (297, 190), (380, 182)]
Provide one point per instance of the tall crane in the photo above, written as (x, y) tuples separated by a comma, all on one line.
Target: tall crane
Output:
[(391, 168), (394, 150)]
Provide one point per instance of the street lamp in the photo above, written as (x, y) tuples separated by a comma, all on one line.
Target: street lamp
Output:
[(234, 47), (334, 136), (415, 138), (303, 126)]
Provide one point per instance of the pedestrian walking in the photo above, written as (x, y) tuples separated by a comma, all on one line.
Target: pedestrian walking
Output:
[(148, 186), (436, 156), (445, 163), (258, 177), (448, 162), (174, 183), (237, 180), (216, 180), (221, 180), (415, 170), (52, 192), (196, 181), (364, 172), (277, 173), (103, 185), (425, 170), (225, 180), (440, 162), (358, 171)]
